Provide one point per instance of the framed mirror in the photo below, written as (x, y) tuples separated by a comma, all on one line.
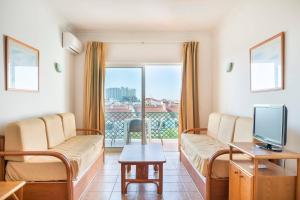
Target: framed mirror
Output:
[(267, 64), (22, 66)]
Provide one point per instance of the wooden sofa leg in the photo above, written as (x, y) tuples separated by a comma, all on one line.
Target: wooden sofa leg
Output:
[(180, 156), (103, 156)]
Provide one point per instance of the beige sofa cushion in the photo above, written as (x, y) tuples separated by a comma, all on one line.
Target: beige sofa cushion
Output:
[(213, 124), (199, 148), (69, 126), (25, 135), (81, 150), (226, 128), (199, 151), (54, 130), (243, 130), (41, 168)]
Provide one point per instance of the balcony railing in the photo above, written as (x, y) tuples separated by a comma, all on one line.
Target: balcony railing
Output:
[(164, 124)]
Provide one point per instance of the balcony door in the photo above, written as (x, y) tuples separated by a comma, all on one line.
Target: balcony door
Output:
[(141, 104), (162, 100), (123, 105)]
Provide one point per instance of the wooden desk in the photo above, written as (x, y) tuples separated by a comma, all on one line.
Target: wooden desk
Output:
[(255, 152), (249, 182), (13, 189), (142, 156)]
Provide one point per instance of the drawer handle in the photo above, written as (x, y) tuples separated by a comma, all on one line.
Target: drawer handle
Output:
[(236, 172), (241, 176)]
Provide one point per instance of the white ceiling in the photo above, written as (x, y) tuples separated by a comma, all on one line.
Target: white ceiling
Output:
[(143, 15)]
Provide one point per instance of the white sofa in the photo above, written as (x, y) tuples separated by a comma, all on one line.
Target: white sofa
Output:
[(60, 162), (203, 152)]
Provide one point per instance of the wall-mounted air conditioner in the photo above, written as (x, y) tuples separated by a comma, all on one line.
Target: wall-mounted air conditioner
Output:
[(71, 43)]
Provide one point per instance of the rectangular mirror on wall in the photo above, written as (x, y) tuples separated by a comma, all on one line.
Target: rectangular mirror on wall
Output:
[(22, 66), (267, 64)]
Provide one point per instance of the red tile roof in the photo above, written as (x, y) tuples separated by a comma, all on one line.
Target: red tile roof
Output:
[(172, 107), (150, 108)]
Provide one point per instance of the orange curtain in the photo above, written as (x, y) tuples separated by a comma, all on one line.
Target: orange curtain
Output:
[(94, 76), (189, 105)]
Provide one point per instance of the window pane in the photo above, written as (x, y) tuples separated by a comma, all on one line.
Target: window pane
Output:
[(163, 88), (122, 105)]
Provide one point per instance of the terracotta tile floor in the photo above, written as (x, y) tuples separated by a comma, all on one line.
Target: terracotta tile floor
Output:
[(178, 185)]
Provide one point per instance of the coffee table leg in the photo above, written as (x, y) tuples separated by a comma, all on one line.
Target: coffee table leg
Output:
[(160, 186), (155, 167), (123, 174), (18, 195), (128, 168)]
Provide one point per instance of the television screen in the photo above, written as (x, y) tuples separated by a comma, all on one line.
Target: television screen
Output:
[(270, 124)]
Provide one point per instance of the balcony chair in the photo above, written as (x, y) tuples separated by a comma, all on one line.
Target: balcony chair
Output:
[(135, 125), (159, 128), (111, 130)]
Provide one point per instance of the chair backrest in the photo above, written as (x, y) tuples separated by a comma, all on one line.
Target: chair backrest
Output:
[(243, 130), (25, 135), (226, 128), (213, 124), (69, 125), (54, 130), (135, 125)]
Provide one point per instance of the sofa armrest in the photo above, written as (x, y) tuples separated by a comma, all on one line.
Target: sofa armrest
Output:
[(98, 132), (210, 166), (195, 130), (58, 155)]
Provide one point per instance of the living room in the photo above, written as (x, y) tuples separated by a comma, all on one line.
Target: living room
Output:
[(141, 38)]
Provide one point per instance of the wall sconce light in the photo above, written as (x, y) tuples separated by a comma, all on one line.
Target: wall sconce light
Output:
[(229, 67), (58, 67)]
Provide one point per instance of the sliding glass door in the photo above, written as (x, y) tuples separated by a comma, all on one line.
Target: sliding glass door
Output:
[(123, 105), (142, 104), (162, 98)]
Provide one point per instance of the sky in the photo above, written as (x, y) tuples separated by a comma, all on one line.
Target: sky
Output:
[(161, 81)]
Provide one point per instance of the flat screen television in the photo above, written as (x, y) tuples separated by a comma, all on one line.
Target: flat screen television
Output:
[(269, 126)]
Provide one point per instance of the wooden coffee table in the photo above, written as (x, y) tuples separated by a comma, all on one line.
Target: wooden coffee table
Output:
[(12, 189), (142, 156)]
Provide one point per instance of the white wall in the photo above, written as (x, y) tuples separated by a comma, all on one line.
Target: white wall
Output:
[(159, 47), (33, 22), (251, 23)]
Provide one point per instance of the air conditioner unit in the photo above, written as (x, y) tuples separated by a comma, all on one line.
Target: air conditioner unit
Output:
[(71, 43)]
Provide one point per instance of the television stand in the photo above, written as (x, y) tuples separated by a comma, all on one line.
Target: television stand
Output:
[(255, 183), (269, 147)]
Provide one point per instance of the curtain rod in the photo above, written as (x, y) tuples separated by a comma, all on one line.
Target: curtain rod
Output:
[(142, 42)]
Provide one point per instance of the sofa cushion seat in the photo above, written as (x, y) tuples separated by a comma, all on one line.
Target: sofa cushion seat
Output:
[(81, 150), (199, 148), (197, 138)]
